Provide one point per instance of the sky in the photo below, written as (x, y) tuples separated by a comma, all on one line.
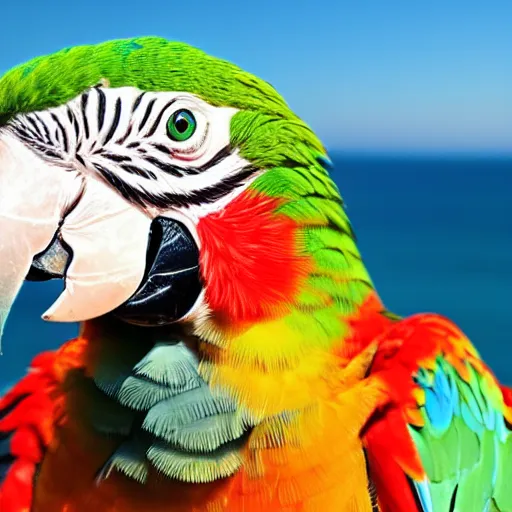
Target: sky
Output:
[(367, 75)]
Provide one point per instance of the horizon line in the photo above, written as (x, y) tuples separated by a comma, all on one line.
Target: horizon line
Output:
[(420, 152)]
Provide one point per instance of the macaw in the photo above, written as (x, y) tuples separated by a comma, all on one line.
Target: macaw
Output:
[(234, 354)]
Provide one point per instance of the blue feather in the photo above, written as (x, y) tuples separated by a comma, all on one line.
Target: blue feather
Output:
[(439, 404), (423, 491)]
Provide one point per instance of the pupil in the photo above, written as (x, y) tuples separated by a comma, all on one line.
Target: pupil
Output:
[(181, 124)]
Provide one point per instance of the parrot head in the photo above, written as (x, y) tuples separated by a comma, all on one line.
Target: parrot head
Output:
[(164, 185)]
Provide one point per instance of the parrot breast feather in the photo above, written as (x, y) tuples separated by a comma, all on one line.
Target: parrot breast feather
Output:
[(167, 416)]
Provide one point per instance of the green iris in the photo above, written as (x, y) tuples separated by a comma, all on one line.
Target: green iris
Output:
[(181, 125)]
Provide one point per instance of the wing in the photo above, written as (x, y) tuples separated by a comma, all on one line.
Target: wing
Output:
[(25, 432), (444, 443)]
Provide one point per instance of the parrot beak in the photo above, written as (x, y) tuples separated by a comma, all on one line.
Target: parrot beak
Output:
[(56, 222)]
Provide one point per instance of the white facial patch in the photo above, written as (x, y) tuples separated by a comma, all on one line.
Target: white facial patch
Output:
[(95, 172), (121, 136)]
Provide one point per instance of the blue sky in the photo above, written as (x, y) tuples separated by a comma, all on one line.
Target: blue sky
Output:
[(366, 75)]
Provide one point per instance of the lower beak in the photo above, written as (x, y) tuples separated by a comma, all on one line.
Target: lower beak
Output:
[(172, 282)]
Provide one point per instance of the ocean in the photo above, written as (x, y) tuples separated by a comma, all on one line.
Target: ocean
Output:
[(436, 235)]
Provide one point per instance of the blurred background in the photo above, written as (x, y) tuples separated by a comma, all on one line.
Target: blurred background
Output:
[(414, 103)]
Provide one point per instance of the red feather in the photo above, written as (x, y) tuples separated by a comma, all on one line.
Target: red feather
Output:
[(383, 445), (28, 415), (250, 259)]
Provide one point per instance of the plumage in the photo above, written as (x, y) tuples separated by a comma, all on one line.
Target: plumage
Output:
[(287, 385)]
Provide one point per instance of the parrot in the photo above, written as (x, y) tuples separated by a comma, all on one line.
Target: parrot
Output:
[(233, 352)]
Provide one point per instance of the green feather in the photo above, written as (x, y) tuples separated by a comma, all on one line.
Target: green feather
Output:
[(186, 408), (502, 494), (148, 63), (168, 416), (129, 459), (207, 434), (197, 468), (141, 394), (464, 446), (173, 366)]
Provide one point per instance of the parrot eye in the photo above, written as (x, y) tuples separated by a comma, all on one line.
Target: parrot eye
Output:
[(181, 125)]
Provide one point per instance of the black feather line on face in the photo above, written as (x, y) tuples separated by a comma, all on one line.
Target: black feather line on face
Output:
[(29, 130), (47, 137), (147, 114), (34, 144), (170, 169), (169, 200), (83, 103), (32, 122), (102, 102), (114, 157), (76, 126), (217, 159), (63, 138), (203, 196), (179, 172), (137, 171), (136, 104), (123, 137), (129, 193), (115, 122), (158, 119)]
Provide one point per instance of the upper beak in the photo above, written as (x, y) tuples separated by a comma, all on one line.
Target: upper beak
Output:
[(66, 225)]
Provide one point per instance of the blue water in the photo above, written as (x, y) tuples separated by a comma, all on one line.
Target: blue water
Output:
[(436, 235)]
